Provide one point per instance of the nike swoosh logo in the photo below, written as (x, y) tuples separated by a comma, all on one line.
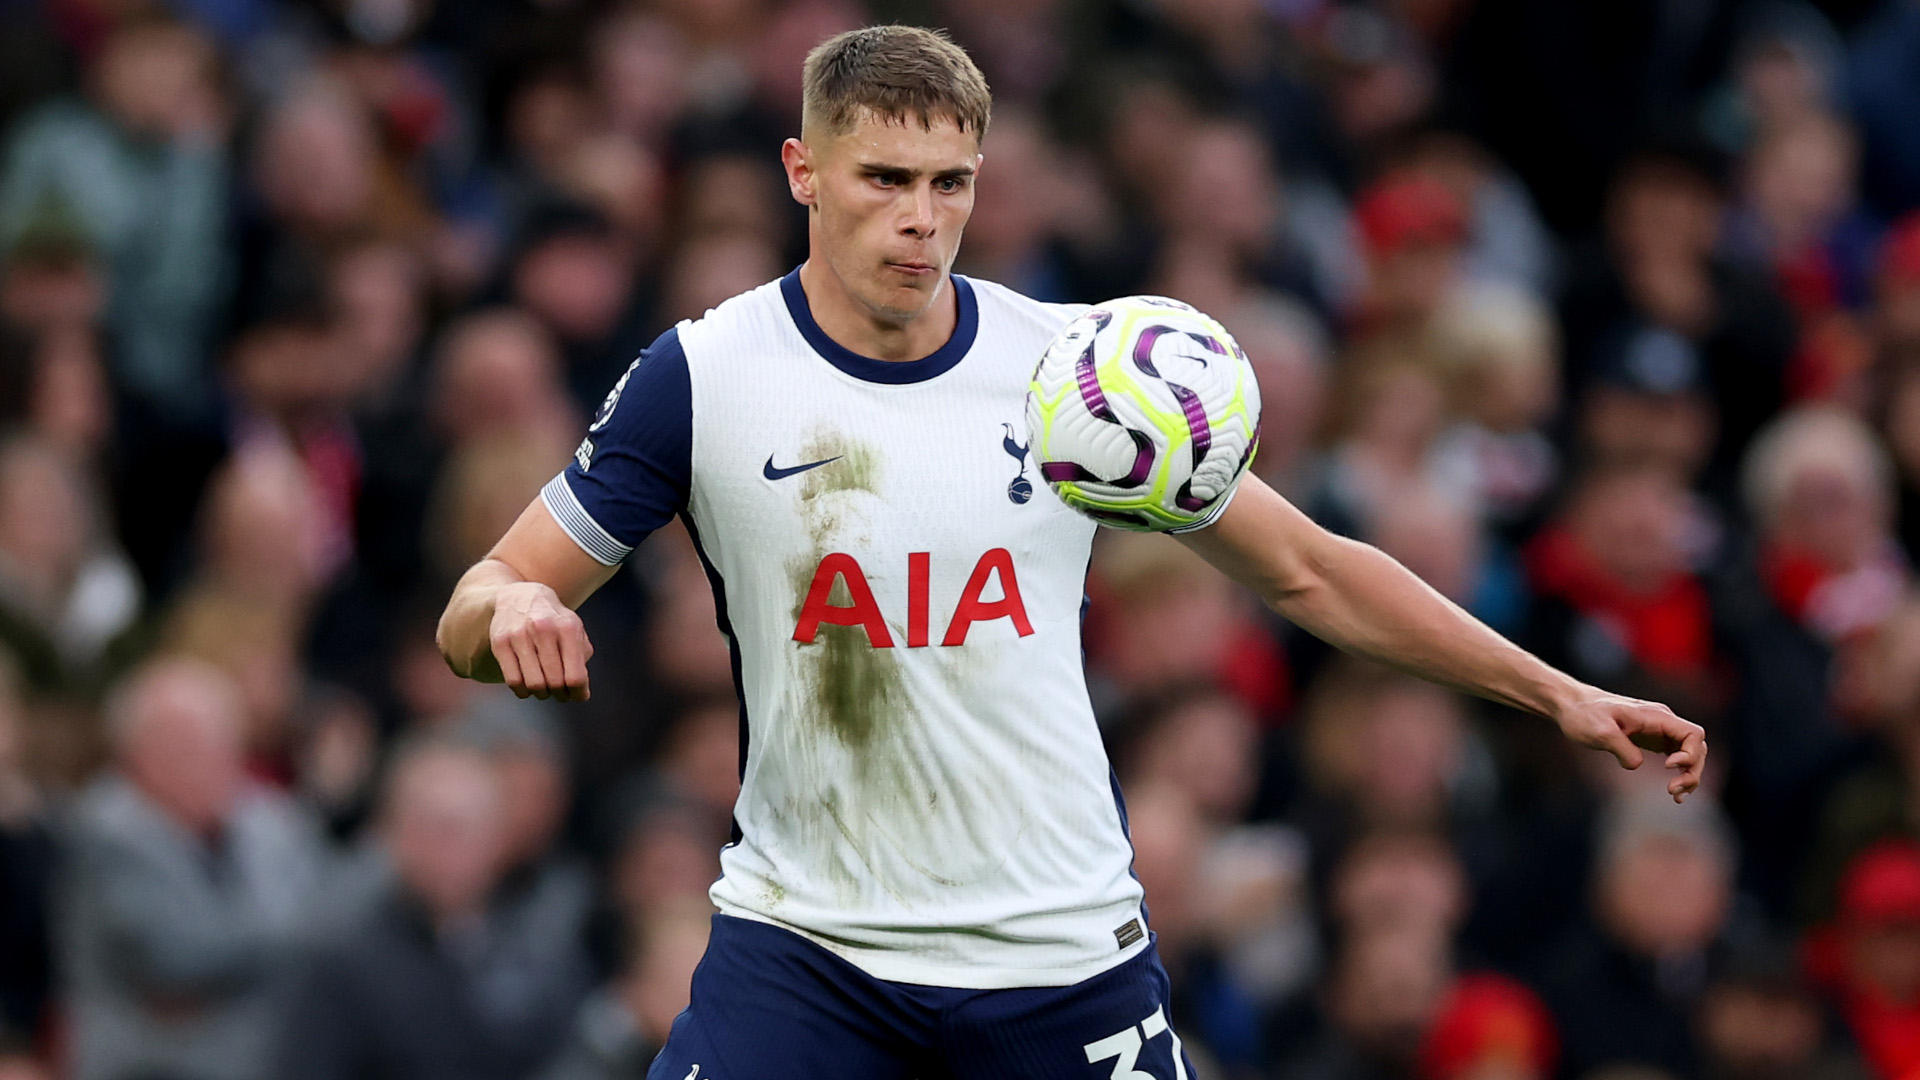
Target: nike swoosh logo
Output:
[(772, 473)]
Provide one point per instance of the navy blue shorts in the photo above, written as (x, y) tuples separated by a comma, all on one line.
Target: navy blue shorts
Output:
[(770, 1005)]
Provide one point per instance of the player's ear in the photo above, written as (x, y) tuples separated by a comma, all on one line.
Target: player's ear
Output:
[(797, 158)]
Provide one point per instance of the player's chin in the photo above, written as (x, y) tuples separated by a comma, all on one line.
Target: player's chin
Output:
[(903, 303)]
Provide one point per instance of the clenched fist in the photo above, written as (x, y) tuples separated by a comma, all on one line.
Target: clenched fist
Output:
[(539, 644)]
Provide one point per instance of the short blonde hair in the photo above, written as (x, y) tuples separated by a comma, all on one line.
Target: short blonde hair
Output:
[(896, 73), (1488, 324), (1812, 437)]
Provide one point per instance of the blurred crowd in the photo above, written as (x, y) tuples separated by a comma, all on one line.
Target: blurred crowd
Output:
[(1603, 316)]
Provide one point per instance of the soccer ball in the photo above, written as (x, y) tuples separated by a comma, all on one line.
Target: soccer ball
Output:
[(1143, 414)]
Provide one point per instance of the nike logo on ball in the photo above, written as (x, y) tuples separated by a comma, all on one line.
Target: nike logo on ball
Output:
[(772, 473)]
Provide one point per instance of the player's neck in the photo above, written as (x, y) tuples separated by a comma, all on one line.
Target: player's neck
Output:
[(850, 324)]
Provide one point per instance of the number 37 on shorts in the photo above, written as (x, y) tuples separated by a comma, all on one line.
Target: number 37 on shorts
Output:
[(1124, 1049)]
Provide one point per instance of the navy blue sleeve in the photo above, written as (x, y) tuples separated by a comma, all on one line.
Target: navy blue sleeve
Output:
[(632, 472)]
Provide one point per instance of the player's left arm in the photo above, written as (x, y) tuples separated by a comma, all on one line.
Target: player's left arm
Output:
[(1359, 598)]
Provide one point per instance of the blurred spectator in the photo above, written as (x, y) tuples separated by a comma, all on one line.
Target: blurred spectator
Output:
[(1825, 572), (1168, 619), (1897, 290), (546, 891), (623, 1024), (1896, 386), (292, 384), (1010, 237), (1645, 402), (576, 275), (257, 646), (1193, 738), (1413, 228), (1500, 354), (482, 489), (1762, 1020), (640, 71), (668, 855), (261, 534), (1022, 46), (1616, 602), (140, 171), (1403, 896), (1623, 989), (377, 294), (1883, 92), (1869, 959), (66, 595), (1223, 223), (624, 183), (497, 373), (700, 755), (51, 279), (1788, 63), (1204, 744), (499, 405), (1290, 349), (1387, 416), (26, 871), (1798, 217), (1381, 997), (1385, 751), (437, 982), (1880, 682), (1800, 223), (1381, 82), (336, 753), (1398, 882), (70, 403), (1507, 244), (1660, 267), (731, 192), (709, 269), (1169, 847), (318, 181), (187, 890), (15, 1064), (1489, 1025)]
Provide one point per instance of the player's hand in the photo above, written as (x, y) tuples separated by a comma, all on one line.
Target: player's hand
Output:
[(1626, 727), (539, 643)]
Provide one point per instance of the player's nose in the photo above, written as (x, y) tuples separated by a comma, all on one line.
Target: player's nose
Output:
[(917, 218)]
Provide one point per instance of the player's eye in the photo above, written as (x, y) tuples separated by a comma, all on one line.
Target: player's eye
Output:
[(951, 184)]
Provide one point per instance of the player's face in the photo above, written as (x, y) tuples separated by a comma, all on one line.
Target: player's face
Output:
[(889, 201)]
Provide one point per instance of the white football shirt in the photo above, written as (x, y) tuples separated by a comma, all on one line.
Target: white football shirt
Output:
[(925, 792)]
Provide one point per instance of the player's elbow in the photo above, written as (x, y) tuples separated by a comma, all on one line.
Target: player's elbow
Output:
[(1305, 578)]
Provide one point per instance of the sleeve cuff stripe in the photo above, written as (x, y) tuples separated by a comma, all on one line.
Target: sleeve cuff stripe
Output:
[(574, 520), (1212, 515)]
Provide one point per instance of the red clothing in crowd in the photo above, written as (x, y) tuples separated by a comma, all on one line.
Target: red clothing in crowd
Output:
[(1668, 629)]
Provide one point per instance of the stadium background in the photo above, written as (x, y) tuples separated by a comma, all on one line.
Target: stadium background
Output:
[(1602, 315)]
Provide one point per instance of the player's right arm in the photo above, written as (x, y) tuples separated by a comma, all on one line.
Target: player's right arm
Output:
[(511, 619)]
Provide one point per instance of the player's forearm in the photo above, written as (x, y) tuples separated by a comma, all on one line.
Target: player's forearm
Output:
[(1359, 598), (465, 627)]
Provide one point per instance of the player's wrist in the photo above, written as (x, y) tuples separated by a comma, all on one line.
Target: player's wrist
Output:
[(1558, 696)]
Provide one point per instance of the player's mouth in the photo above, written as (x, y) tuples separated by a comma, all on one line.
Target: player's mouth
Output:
[(913, 268)]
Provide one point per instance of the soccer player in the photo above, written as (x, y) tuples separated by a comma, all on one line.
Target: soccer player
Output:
[(930, 870)]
